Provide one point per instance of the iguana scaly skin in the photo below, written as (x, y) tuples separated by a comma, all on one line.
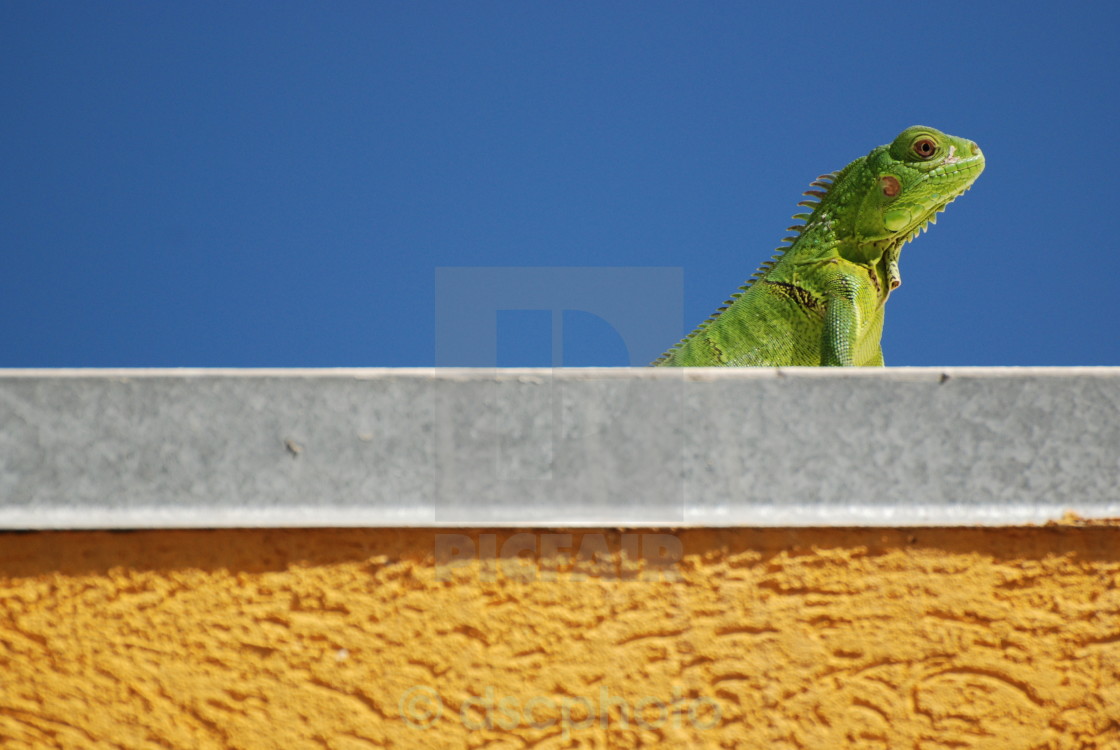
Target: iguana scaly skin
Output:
[(820, 300)]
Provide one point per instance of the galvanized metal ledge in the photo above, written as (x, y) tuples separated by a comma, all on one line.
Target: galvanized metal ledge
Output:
[(568, 447)]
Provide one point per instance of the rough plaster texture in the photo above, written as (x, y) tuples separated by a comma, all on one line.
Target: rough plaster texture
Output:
[(636, 447), (939, 639)]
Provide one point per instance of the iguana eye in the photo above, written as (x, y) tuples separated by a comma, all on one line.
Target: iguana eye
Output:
[(925, 148)]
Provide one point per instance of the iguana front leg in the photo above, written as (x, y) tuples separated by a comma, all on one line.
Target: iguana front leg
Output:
[(843, 319)]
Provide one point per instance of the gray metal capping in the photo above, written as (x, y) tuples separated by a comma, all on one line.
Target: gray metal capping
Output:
[(568, 447)]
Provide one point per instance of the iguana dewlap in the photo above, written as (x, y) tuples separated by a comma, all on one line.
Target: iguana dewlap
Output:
[(820, 300)]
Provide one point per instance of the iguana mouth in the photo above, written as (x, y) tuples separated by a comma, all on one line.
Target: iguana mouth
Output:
[(953, 164)]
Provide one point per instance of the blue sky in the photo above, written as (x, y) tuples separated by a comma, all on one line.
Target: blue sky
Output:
[(246, 184)]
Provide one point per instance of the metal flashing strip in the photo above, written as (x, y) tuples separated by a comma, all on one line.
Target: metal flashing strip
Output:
[(579, 447)]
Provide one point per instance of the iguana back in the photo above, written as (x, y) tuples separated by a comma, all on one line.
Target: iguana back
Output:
[(820, 300)]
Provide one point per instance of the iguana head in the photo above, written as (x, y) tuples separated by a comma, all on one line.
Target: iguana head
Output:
[(871, 207), (902, 186)]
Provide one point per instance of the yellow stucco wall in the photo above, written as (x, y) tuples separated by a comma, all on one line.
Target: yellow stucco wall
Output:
[(780, 639)]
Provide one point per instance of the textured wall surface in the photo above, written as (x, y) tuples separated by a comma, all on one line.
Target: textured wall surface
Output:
[(918, 638)]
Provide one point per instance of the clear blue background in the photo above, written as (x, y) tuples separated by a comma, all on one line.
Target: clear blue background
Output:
[(274, 184)]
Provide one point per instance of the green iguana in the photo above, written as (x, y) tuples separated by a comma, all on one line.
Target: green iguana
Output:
[(820, 300)]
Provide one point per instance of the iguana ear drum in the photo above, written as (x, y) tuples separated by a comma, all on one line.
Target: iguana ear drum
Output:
[(890, 185)]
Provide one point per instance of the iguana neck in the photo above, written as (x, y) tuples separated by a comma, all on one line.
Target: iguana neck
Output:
[(881, 256), (824, 237)]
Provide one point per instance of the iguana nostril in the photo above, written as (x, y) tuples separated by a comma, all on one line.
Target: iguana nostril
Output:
[(975, 149)]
